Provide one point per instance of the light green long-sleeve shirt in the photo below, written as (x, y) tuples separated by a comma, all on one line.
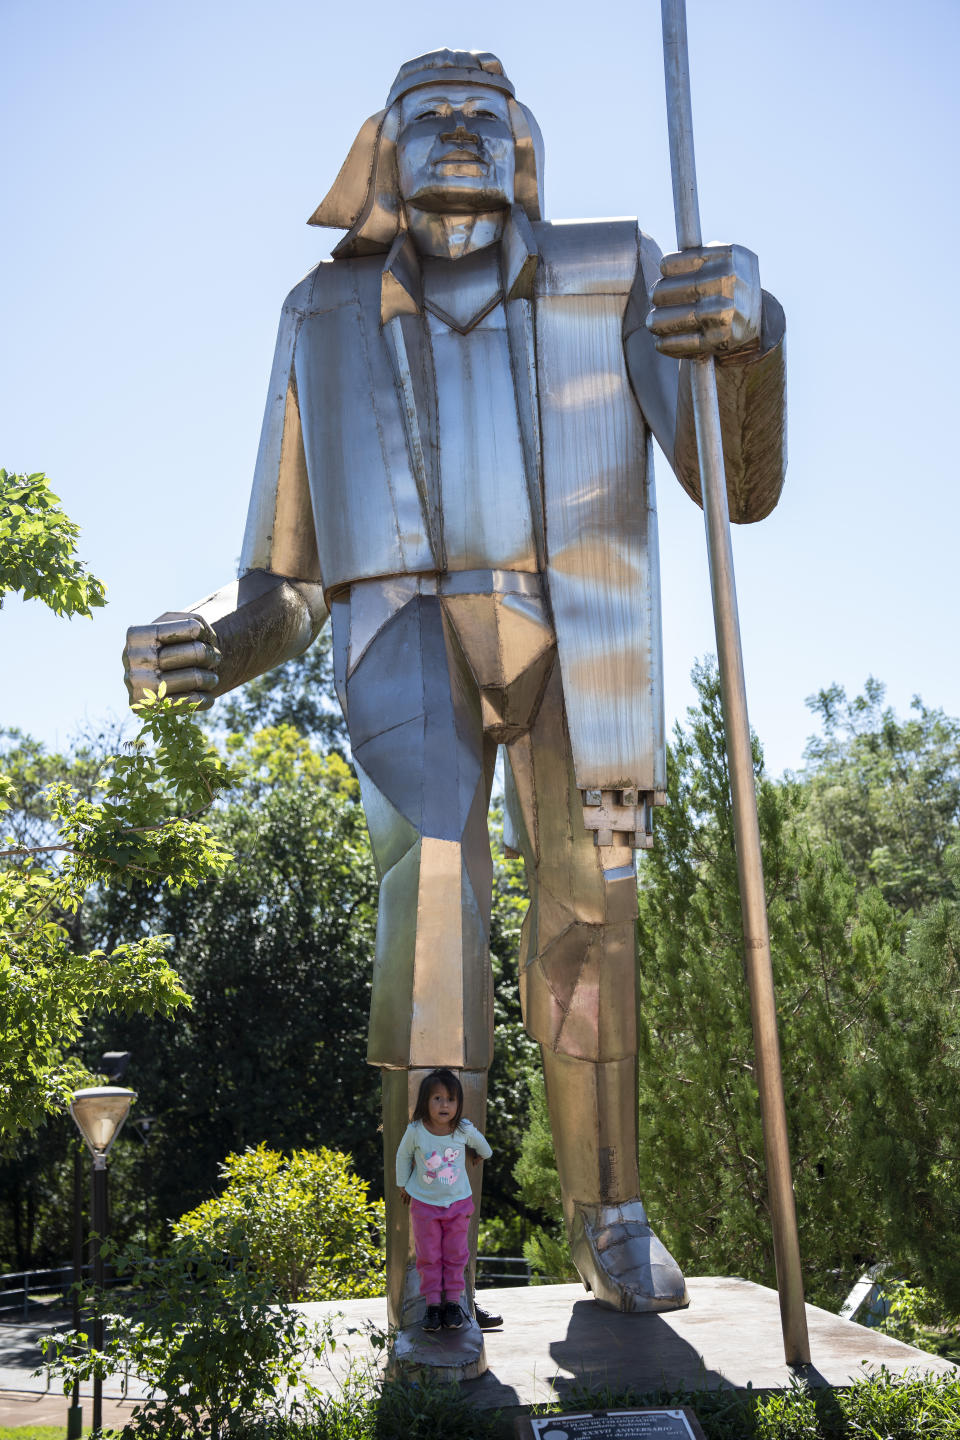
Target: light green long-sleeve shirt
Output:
[(433, 1168)]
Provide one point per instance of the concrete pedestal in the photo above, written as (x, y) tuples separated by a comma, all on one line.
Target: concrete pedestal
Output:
[(451, 1354), (555, 1339)]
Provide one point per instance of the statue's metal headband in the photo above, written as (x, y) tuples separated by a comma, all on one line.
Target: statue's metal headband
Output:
[(447, 67)]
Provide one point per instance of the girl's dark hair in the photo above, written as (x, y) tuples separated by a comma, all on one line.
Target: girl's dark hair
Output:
[(450, 1083)]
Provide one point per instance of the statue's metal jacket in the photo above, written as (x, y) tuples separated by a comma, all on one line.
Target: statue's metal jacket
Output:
[(456, 463)]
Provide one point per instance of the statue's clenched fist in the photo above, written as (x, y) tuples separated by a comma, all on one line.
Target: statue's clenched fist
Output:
[(180, 649), (708, 302)]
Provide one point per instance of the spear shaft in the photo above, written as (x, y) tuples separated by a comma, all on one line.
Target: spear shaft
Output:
[(756, 935)]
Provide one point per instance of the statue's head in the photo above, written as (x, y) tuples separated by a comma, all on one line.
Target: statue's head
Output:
[(452, 139)]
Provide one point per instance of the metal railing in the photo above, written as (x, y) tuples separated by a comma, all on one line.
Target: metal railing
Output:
[(27, 1284), (23, 1284), (488, 1276), (21, 1290)]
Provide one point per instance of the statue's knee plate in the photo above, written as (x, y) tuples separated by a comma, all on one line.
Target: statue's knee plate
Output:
[(579, 992)]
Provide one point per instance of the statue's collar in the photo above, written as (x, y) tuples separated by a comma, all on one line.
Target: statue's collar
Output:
[(401, 286)]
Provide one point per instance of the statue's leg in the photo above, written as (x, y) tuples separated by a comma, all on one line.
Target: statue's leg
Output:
[(405, 1305), (425, 769), (578, 989)]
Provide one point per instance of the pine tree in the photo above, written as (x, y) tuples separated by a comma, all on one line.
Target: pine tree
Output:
[(909, 1101), (701, 1139), (701, 1144), (886, 791)]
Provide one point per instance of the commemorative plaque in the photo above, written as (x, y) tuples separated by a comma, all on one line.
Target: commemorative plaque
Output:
[(644, 1424)]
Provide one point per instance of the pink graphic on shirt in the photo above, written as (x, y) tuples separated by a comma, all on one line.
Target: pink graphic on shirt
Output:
[(449, 1173), (433, 1164)]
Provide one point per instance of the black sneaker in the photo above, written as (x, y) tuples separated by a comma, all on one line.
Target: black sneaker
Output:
[(453, 1316), (486, 1319), (433, 1318)]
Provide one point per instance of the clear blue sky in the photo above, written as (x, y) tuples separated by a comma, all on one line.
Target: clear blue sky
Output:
[(159, 163)]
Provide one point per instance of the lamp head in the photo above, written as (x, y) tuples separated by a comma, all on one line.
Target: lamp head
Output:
[(99, 1113)]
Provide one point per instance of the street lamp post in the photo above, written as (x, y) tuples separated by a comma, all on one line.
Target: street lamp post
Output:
[(75, 1412), (99, 1113)]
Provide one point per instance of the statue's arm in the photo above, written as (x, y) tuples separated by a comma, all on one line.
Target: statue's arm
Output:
[(233, 635), (709, 301), (276, 608)]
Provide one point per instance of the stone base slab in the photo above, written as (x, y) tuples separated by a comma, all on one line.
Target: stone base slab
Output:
[(451, 1355), (555, 1338)]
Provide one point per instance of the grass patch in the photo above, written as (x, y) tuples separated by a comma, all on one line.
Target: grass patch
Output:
[(421, 1409), (33, 1432), (883, 1407)]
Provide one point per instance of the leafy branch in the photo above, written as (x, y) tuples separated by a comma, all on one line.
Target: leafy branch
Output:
[(38, 549), (142, 824)]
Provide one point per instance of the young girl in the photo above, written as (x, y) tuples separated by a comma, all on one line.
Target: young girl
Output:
[(432, 1174)]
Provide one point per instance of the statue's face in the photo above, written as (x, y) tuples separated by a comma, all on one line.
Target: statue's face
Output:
[(455, 149)]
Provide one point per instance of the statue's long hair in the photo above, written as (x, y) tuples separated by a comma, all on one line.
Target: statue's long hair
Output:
[(365, 197)]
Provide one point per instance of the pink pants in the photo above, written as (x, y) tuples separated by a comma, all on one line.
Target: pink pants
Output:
[(440, 1239)]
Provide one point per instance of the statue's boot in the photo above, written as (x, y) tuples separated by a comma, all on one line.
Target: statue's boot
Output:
[(593, 1113), (450, 1354), (620, 1258)]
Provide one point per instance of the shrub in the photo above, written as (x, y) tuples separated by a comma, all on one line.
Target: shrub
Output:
[(309, 1228), (202, 1329), (902, 1407), (789, 1415)]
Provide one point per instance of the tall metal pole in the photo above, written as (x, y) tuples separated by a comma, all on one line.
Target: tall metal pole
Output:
[(99, 1112), (75, 1409), (733, 692), (99, 1228)]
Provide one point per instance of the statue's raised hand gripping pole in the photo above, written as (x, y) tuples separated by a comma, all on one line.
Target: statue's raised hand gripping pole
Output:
[(736, 725)]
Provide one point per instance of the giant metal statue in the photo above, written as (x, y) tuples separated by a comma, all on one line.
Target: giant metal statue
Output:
[(456, 464)]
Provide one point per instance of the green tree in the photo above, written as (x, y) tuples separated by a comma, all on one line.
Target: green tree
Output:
[(141, 820), (135, 827), (36, 1172), (36, 1196), (700, 1135), (886, 792), (31, 771), (38, 549), (307, 1225), (909, 1101), (277, 954)]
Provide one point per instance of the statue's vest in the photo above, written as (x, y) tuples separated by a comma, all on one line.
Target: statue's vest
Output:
[(354, 376)]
